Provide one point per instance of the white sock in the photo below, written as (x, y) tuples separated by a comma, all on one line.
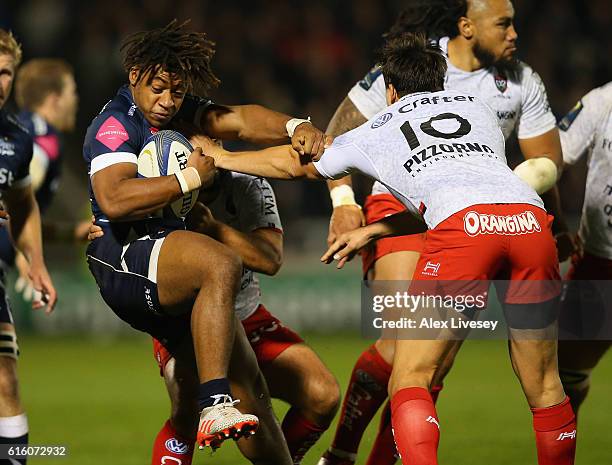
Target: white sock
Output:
[(14, 427)]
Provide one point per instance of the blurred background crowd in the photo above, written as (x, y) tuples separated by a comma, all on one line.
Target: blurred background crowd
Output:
[(293, 56)]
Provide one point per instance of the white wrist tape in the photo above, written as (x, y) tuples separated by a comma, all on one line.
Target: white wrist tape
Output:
[(540, 173), (343, 195), (294, 123), (188, 179)]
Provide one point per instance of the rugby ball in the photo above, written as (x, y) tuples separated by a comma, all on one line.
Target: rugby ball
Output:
[(166, 153)]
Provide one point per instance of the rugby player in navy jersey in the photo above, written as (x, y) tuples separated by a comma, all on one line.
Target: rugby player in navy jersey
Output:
[(45, 91), (155, 275), (20, 203), (240, 211)]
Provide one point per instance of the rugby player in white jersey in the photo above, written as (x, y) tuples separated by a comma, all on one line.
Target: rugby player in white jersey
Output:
[(441, 153), (587, 131), (479, 41), (240, 211)]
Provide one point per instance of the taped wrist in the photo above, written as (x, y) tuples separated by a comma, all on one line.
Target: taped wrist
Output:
[(343, 195), (188, 179), (293, 123)]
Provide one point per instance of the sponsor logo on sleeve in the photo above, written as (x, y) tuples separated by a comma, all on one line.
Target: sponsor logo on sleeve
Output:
[(506, 225), (369, 78), (112, 133), (381, 120), (568, 119)]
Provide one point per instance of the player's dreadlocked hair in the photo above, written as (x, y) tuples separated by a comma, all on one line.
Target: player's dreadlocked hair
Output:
[(185, 54), (435, 18)]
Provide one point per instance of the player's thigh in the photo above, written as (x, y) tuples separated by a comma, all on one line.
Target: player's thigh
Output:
[(187, 260), (396, 266), (417, 361), (298, 375)]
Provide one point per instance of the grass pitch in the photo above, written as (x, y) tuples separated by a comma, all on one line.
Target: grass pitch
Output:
[(105, 401)]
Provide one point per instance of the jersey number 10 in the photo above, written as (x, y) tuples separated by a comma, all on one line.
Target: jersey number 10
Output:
[(464, 128)]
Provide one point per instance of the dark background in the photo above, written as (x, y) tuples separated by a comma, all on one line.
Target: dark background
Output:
[(297, 57)]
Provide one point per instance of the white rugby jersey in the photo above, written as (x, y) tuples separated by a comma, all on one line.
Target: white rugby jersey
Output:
[(436, 152), (587, 129), (517, 98), (246, 203)]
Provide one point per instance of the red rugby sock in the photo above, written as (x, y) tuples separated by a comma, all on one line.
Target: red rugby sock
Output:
[(555, 429), (300, 434), (366, 392), (415, 425), (168, 448)]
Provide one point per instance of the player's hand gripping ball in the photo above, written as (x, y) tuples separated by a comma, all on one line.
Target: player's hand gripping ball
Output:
[(166, 153)]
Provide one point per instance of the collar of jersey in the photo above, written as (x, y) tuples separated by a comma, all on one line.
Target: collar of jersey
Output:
[(417, 93)]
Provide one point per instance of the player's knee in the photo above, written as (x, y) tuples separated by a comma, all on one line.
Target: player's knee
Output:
[(224, 266), (323, 397)]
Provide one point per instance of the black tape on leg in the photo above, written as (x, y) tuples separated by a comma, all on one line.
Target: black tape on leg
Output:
[(532, 316)]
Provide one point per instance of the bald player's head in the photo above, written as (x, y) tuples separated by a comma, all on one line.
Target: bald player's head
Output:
[(489, 27)]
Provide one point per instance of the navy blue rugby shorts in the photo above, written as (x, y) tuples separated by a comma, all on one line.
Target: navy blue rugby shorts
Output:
[(127, 278)]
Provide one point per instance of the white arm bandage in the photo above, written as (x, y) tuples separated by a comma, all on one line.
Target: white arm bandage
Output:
[(293, 123), (540, 173), (342, 195)]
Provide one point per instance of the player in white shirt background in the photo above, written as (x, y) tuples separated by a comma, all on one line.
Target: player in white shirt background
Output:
[(586, 131), (442, 154), (479, 40)]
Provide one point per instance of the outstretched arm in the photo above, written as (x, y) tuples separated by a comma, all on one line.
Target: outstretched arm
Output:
[(281, 162), (260, 125), (348, 244)]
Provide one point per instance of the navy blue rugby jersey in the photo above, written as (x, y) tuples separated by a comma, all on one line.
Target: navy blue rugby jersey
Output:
[(48, 148), (117, 135), (15, 152)]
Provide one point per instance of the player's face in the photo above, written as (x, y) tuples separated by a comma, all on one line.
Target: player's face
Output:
[(67, 104), (495, 36), (7, 73), (158, 98)]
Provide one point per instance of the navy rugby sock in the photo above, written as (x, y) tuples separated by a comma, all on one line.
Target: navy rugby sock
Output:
[(209, 391)]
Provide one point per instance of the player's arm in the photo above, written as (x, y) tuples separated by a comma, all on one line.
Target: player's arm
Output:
[(260, 250), (26, 232), (280, 162), (122, 196), (349, 244), (346, 214), (260, 125), (548, 145)]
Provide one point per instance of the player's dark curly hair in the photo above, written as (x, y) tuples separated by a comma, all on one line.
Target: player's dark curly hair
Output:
[(413, 64), (174, 49), (435, 18)]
